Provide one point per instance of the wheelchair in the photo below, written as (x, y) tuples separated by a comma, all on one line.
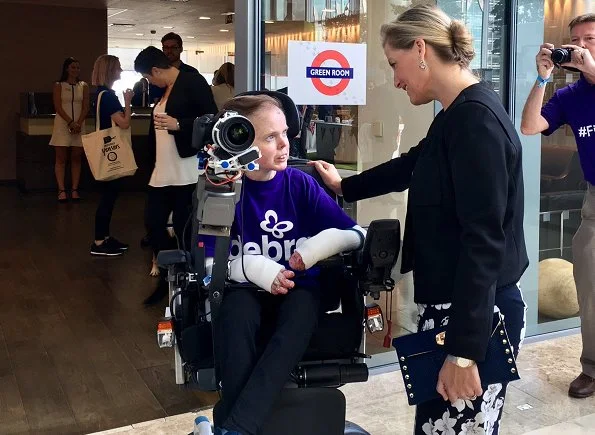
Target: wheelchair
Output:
[(310, 403)]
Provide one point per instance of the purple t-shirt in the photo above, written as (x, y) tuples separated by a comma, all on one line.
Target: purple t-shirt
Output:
[(575, 105), (279, 213)]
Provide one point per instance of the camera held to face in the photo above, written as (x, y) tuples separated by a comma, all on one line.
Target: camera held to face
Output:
[(561, 55), (225, 142)]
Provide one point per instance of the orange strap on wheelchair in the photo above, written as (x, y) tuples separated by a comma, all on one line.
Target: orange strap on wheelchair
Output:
[(388, 338)]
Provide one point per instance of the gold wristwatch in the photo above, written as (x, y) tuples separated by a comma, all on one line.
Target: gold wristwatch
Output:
[(463, 363)]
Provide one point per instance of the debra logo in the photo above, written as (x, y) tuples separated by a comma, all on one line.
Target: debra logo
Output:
[(273, 249)]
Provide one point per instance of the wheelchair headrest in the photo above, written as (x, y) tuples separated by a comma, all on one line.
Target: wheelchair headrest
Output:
[(302, 165), (289, 108)]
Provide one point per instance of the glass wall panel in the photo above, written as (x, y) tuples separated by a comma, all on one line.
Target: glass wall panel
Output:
[(555, 188), (486, 21), (356, 138)]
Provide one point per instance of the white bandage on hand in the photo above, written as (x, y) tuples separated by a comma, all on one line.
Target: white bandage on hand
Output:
[(259, 269), (209, 265), (329, 242)]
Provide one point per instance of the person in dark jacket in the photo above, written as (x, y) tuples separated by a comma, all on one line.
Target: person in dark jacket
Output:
[(464, 237), (186, 97), (172, 46)]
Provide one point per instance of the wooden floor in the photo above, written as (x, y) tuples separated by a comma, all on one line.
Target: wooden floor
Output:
[(78, 350)]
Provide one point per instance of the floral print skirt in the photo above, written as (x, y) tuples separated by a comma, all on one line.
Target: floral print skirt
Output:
[(482, 415)]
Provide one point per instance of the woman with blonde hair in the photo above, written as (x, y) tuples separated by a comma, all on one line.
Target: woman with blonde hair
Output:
[(71, 103), (223, 84), (106, 71), (464, 237)]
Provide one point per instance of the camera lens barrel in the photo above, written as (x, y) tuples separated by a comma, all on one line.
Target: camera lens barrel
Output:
[(561, 55), (229, 132), (234, 133)]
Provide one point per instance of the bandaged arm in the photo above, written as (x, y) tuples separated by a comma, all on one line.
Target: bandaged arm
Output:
[(329, 242), (259, 269)]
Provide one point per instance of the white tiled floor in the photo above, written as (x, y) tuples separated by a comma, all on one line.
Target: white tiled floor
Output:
[(380, 406), (580, 426)]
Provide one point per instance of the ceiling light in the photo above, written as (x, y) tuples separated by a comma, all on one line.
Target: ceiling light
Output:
[(223, 30), (139, 34), (204, 18), (228, 13), (168, 27), (190, 37), (268, 22)]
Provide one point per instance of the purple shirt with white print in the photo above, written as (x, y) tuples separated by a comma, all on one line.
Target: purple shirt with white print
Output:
[(575, 105), (279, 214)]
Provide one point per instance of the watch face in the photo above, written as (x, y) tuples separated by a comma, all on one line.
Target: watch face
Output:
[(464, 362)]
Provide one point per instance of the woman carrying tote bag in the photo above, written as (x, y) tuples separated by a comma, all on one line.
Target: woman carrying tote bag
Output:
[(106, 71)]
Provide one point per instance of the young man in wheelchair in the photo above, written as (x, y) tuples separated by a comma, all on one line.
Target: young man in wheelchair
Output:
[(284, 224)]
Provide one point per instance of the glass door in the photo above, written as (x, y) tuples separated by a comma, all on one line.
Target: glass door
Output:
[(357, 137)]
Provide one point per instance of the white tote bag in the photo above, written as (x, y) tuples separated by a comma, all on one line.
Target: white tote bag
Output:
[(109, 152)]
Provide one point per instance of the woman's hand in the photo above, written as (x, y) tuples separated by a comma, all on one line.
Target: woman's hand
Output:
[(329, 175), (545, 66), (296, 262), (165, 122), (74, 128), (283, 283), (128, 94), (456, 383)]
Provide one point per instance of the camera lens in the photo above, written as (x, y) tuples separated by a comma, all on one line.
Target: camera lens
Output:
[(561, 55), (236, 135)]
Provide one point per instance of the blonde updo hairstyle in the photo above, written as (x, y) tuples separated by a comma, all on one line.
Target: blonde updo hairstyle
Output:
[(449, 38)]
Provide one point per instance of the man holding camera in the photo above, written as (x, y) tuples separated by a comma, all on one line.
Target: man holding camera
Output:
[(574, 105)]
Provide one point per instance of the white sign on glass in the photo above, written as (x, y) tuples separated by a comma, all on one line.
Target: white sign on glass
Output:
[(326, 73)]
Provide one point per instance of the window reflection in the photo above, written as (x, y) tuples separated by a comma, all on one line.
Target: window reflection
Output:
[(562, 184), (356, 138)]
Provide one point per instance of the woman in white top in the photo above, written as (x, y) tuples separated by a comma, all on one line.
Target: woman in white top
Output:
[(223, 84), (187, 96), (71, 103)]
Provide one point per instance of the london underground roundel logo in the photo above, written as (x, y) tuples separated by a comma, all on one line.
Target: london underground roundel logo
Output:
[(316, 72)]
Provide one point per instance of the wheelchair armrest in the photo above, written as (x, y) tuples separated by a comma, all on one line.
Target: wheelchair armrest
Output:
[(247, 285), (330, 374), (333, 261), (379, 256), (171, 257)]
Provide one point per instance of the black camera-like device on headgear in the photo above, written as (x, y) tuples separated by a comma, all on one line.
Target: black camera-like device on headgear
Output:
[(225, 142)]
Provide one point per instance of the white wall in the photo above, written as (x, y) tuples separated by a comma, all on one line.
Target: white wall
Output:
[(206, 62)]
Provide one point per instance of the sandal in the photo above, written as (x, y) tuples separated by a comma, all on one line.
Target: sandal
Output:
[(72, 197), (60, 198)]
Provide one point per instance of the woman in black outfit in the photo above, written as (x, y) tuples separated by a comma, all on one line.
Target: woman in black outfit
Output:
[(187, 95), (464, 237)]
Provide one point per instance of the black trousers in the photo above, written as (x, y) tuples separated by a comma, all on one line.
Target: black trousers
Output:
[(255, 365), (103, 216), (161, 201)]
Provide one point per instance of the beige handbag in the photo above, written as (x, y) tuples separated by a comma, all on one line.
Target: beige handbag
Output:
[(109, 152)]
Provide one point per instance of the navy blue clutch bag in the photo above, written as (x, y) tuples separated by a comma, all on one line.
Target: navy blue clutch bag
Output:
[(421, 356)]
